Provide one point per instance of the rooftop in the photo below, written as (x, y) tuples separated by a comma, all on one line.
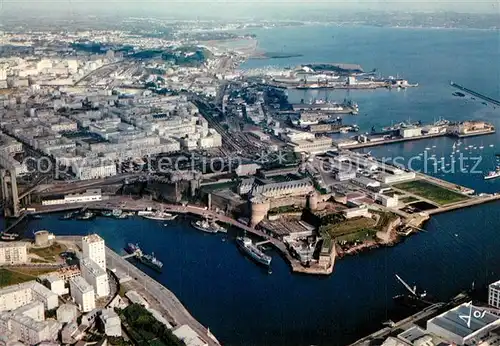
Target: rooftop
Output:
[(33, 285), (92, 267), (12, 244), (82, 285), (93, 238), (451, 321)]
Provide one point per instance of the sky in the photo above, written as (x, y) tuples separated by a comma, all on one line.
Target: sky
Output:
[(239, 8)]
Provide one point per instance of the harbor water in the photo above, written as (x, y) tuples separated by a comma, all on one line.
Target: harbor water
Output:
[(243, 304)]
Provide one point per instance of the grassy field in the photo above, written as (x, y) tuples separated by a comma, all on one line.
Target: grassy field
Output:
[(19, 275), (435, 193), (51, 253), (349, 226), (408, 199)]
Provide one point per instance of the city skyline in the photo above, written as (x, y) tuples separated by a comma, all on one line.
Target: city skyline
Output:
[(235, 8)]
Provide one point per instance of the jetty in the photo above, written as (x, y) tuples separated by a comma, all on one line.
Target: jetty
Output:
[(476, 94)]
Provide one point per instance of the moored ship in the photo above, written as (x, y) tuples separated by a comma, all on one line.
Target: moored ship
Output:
[(86, 216), (493, 174), (208, 227), (248, 247), (159, 215), (151, 261), (9, 236)]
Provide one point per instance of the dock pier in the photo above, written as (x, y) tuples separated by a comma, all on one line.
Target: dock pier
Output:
[(476, 94)]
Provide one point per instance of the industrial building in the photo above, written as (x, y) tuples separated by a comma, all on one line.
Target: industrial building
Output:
[(83, 293), (91, 195), (408, 132), (453, 327), (96, 276), (13, 253)]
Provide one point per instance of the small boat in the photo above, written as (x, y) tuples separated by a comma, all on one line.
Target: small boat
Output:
[(493, 174), (427, 148), (492, 145), (67, 216), (481, 147), (132, 248), (9, 236), (86, 216)]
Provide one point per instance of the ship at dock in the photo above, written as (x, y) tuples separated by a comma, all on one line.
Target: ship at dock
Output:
[(208, 227), (151, 261), (86, 216), (157, 215), (250, 249), (347, 106)]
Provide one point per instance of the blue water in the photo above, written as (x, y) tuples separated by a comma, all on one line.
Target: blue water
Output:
[(242, 304)]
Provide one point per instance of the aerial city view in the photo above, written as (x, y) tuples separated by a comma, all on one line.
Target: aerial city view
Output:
[(249, 173)]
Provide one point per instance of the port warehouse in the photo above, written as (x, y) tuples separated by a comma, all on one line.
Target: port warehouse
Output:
[(90, 195)]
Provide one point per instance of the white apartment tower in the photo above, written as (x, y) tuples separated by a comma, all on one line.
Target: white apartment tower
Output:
[(82, 293), (96, 276), (3, 74), (494, 294), (93, 247), (13, 253)]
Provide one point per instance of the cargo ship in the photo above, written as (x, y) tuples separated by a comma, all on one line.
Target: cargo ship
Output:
[(151, 261), (249, 248), (493, 174)]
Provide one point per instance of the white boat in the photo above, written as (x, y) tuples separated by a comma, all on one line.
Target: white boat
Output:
[(493, 174), (145, 212), (481, 147), (427, 148), (208, 227), (159, 215), (492, 145)]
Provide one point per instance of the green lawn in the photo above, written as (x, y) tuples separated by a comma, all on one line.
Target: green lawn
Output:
[(349, 226), (19, 275), (435, 193)]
